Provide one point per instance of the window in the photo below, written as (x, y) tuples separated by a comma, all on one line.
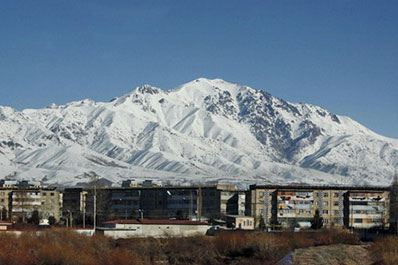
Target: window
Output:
[(336, 212), (325, 194), (52, 194), (301, 211), (336, 203), (325, 211), (2, 200), (44, 194), (357, 220), (2, 194), (326, 203), (336, 194)]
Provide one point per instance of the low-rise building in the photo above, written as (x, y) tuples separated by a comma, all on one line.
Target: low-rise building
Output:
[(4, 225), (240, 222), (152, 228)]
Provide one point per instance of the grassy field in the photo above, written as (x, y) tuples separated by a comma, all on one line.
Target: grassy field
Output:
[(66, 247)]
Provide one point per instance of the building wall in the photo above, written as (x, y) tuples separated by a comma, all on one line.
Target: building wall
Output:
[(344, 206), (240, 222), (367, 209), (261, 205), (50, 204), (25, 201), (193, 202), (74, 202), (330, 203), (153, 230), (295, 207), (5, 201)]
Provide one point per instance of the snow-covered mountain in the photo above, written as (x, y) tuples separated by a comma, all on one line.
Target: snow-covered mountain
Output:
[(205, 130)]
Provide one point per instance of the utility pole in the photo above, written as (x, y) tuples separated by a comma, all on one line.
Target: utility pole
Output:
[(94, 179), (141, 213), (84, 208), (200, 203), (190, 204)]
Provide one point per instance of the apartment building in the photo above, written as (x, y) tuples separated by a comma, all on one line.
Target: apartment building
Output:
[(24, 201), (295, 205), (5, 203), (366, 208), (74, 204), (156, 202)]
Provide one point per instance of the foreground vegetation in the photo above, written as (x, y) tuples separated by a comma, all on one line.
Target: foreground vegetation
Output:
[(385, 251), (66, 247)]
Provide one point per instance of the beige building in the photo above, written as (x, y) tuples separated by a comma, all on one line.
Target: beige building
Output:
[(295, 205), (5, 203), (240, 222), (24, 201), (152, 228)]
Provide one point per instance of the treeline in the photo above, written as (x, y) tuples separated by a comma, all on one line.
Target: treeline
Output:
[(64, 247)]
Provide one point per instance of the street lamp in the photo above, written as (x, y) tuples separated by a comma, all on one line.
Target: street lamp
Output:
[(70, 218), (141, 213)]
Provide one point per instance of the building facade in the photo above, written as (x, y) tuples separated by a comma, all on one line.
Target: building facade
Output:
[(24, 201), (290, 206), (155, 202)]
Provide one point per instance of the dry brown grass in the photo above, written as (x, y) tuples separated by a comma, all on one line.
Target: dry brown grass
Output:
[(64, 247), (385, 251)]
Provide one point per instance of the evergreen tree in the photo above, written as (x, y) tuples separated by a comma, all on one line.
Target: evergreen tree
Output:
[(52, 220), (317, 221), (4, 213), (261, 223), (35, 219), (275, 224)]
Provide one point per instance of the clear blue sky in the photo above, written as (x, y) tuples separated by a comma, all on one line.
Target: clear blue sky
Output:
[(341, 55)]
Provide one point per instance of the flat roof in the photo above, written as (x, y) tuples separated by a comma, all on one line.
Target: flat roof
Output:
[(155, 222), (320, 187)]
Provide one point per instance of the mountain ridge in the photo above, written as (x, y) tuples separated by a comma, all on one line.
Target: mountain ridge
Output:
[(204, 130)]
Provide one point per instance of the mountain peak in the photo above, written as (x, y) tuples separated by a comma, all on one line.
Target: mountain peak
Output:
[(148, 89), (205, 129)]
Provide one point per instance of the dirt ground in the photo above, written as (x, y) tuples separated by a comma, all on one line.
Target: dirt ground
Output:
[(330, 255)]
